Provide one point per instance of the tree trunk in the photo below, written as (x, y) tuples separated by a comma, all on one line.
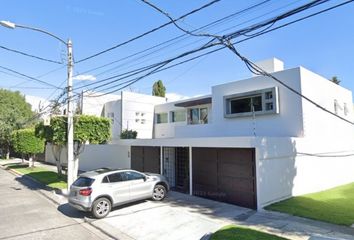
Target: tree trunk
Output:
[(30, 162), (59, 168)]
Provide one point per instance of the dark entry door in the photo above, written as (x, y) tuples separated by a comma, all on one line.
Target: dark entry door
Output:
[(145, 159), (182, 169), (226, 175)]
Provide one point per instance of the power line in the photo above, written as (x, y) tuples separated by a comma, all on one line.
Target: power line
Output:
[(149, 32), (29, 55), (233, 35), (29, 77), (218, 21)]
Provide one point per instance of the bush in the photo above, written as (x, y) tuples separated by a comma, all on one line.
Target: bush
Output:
[(128, 134), (24, 141)]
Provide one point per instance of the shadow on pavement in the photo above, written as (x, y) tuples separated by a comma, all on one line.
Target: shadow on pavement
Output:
[(71, 212)]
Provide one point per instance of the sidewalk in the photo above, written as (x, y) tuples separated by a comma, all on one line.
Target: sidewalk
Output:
[(122, 222)]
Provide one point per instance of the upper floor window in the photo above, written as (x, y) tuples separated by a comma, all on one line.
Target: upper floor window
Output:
[(198, 115), (161, 118), (264, 101), (178, 116)]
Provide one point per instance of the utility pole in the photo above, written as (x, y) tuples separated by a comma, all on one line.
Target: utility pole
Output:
[(70, 126)]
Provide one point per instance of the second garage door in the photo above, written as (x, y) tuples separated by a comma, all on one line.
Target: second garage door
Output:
[(225, 174)]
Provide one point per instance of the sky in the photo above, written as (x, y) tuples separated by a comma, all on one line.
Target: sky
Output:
[(323, 44)]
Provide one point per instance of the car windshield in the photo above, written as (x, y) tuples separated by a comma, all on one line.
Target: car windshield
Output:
[(83, 182)]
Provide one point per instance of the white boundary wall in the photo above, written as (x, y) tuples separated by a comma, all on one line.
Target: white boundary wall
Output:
[(96, 156), (282, 167)]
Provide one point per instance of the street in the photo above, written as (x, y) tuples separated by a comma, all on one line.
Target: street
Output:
[(26, 214)]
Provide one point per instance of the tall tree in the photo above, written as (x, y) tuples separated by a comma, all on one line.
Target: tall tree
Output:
[(158, 89), (335, 80), (15, 113), (87, 129)]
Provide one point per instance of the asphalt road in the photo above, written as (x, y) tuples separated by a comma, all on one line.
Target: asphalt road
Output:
[(27, 214)]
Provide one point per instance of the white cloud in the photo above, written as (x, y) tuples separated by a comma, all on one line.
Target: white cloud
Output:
[(85, 78), (171, 97)]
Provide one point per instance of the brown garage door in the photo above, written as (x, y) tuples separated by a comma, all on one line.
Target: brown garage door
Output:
[(225, 174), (145, 159)]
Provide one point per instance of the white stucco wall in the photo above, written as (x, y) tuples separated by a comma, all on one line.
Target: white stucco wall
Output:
[(138, 112), (92, 103), (97, 156), (115, 108), (324, 92)]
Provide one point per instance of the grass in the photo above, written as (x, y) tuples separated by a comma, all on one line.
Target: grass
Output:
[(335, 205), (43, 175), (232, 232)]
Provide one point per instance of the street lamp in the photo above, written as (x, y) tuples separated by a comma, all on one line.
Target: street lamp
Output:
[(70, 128)]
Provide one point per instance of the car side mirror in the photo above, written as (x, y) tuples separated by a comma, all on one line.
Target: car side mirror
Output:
[(145, 178)]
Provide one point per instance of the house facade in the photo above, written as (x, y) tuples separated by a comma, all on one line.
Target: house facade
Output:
[(250, 142)]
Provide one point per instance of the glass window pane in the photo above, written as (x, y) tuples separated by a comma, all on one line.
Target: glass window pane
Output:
[(204, 115), (178, 116), (240, 105), (134, 176), (161, 118), (257, 103), (116, 177), (194, 116)]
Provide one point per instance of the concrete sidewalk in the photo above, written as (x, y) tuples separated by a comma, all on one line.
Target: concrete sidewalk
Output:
[(185, 217)]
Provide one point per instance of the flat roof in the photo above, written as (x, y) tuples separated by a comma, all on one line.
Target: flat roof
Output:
[(194, 102)]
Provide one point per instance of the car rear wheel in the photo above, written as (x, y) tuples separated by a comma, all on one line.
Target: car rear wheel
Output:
[(159, 192), (101, 207)]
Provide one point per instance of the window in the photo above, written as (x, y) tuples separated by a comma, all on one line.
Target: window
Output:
[(161, 118), (83, 182), (249, 103), (198, 115), (116, 177), (178, 116), (134, 176)]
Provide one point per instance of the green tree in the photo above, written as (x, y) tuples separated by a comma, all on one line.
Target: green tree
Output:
[(87, 129), (15, 113), (128, 134), (335, 80), (158, 89), (25, 142)]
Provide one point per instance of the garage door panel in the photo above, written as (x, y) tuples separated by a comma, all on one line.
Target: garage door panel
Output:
[(236, 184), (137, 158), (225, 174), (234, 170), (152, 159)]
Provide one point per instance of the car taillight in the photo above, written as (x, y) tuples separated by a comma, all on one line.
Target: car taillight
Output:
[(85, 192)]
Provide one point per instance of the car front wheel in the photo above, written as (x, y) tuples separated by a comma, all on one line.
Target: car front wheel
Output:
[(101, 207), (159, 192)]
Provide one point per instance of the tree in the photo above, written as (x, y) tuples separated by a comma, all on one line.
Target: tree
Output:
[(158, 89), (128, 134), (15, 113), (335, 80), (25, 142), (87, 129)]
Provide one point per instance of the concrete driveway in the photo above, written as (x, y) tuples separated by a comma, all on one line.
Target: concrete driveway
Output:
[(179, 216)]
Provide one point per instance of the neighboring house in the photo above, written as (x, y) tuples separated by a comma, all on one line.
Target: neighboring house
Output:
[(250, 142), (130, 110)]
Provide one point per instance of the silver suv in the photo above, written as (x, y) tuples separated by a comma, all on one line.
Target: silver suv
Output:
[(100, 190)]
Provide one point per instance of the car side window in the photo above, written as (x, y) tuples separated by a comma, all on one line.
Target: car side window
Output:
[(116, 177), (134, 176), (105, 180)]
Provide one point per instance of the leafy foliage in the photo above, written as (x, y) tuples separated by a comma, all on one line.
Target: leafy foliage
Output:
[(335, 80), (90, 129), (15, 112), (24, 141), (158, 89), (128, 134)]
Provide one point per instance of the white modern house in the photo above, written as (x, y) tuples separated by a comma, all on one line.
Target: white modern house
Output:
[(249, 142)]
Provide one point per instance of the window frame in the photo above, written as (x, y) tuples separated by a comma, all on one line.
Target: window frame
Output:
[(173, 114), (157, 118), (269, 97), (199, 108)]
